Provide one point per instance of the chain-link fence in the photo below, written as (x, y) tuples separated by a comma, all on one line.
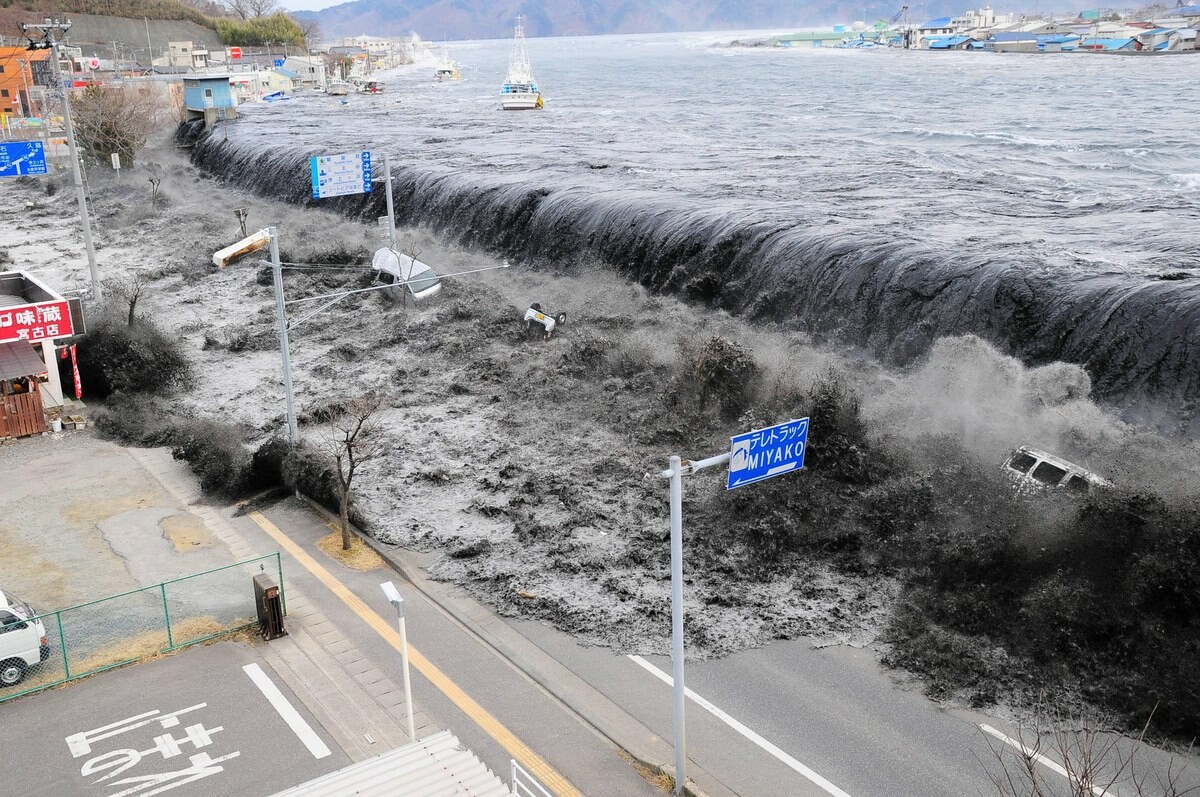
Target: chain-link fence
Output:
[(110, 632)]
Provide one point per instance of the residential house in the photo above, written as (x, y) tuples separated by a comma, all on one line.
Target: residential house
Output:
[(309, 72), (24, 76), (932, 29), (184, 54)]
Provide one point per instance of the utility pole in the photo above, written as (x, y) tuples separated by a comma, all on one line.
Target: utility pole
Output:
[(50, 33)]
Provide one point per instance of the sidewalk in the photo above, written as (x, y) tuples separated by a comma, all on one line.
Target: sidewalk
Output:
[(361, 707), (358, 704)]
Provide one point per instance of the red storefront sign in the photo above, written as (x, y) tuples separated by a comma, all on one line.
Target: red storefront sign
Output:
[(33, 322)]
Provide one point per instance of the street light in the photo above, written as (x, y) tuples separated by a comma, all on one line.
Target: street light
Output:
[(393, 596)]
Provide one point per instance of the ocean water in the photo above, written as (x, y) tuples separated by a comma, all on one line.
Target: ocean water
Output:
[(1047, 203)]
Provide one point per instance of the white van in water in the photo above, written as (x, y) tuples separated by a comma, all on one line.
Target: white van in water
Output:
[(22, 639), (392, 268), (1034, 467)]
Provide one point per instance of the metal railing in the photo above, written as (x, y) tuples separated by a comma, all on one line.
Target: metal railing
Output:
[(121, 629), (524, 784)]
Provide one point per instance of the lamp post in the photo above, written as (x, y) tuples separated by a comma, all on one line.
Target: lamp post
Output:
[(393, 596)]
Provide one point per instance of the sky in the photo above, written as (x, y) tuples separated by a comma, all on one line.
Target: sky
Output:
[(310, 5)]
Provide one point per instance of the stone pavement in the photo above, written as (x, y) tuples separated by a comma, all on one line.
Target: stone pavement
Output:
[(361, 707)]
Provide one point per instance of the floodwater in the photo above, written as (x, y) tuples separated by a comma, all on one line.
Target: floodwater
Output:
[(883, 199)]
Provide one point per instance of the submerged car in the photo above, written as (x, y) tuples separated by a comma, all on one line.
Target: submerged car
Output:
[(403, 272), (1031, 466)]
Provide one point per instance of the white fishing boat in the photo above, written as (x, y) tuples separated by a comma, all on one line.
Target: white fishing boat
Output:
[(520, 92), (447, 69), (338, 88)]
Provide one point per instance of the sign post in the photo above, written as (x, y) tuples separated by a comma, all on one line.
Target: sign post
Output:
[(752, 457), (116, 162), (340, 175), (22, 157)]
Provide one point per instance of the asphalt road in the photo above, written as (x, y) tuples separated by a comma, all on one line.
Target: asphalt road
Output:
[(194, 724), (590, 762)]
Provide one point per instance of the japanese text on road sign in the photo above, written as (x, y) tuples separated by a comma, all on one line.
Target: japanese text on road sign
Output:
[(764, 453), (339, 175), (117, 762), (22, 157)]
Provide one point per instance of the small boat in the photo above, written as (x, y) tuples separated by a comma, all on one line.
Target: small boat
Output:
[(373, 87), (447, 69), (338, 89), (520, 92), (275, 96)]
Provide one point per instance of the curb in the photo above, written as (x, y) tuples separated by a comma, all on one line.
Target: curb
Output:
[(699, 783)]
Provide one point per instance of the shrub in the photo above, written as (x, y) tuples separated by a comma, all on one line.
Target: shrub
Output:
[(136, 419), (310, 472), (720, 374), (116, 357), (217, 454)]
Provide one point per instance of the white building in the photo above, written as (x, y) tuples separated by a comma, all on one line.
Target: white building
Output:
[(309, 72)]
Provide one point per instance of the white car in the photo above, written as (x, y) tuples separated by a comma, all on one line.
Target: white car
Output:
[(22, 639), (1034, 467), (401, 271)]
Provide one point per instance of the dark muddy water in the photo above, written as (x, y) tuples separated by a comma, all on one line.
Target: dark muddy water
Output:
[(883, 199)]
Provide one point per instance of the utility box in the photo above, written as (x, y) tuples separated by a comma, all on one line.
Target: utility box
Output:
[(270, 607)]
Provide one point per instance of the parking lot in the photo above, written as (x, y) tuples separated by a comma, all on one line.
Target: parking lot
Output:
[(194, 723)]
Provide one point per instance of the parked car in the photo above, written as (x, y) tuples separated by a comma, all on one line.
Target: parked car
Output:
[(22, 639), (1031, 466)]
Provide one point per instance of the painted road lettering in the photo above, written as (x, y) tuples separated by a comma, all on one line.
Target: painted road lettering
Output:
[(112, 763)]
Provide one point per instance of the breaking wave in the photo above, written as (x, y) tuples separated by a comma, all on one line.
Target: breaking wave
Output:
[(1134, 333)]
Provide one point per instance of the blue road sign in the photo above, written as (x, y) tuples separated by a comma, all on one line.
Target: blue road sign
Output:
[(22, 157), (339, 175), (763, 453), (278, 62)]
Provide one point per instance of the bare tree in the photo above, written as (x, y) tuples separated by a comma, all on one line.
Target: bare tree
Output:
[(128, 289), (115, 119), (353, 443), (311, 30), (1060, 756), (252, 9), (155, 179)]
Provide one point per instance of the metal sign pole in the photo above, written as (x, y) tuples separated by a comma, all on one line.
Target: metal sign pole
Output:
[(281, 319), (677, 615), (676, 473), (387, 187)]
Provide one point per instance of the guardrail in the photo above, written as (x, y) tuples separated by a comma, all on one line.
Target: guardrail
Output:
[(121, 629), (524, 784)]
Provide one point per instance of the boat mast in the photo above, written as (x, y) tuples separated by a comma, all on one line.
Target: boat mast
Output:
[(519, 70)]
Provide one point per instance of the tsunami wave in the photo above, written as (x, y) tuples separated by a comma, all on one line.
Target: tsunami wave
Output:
[(1135, 333)]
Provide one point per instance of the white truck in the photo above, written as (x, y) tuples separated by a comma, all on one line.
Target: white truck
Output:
[(22, 639)]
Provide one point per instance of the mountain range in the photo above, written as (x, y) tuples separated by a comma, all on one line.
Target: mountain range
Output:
[(488, 19)]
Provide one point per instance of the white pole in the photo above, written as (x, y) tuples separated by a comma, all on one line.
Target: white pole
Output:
[(391, 210), (677, 615), (412, 731), (281, 319)]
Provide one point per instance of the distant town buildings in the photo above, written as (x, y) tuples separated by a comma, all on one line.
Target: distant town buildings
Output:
[(1154, 29)]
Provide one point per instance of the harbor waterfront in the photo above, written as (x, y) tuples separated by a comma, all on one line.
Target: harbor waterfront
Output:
[(877, 198)]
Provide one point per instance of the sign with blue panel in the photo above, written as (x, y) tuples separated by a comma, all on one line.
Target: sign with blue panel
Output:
[(339, 175), (763, 453), (22, 157)]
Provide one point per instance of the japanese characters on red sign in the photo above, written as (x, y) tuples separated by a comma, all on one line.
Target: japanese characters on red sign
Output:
[(33, 322)]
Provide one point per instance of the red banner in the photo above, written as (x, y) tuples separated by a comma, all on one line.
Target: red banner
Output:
[(75, 371), (33, 322)]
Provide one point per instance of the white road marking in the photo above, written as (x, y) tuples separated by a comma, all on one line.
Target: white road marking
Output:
[(292, 717), (1098, 791), (742, 729)]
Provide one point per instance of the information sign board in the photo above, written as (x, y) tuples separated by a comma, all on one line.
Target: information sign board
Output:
[(763, 453), (33, 322), (339, 175), (22, 157)]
